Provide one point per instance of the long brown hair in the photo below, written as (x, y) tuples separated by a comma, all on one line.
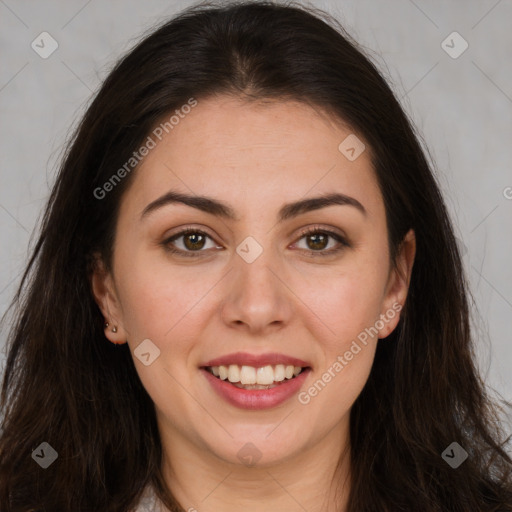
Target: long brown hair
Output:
[(66, 385)]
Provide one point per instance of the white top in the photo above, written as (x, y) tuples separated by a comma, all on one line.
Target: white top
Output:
[(149, 502)]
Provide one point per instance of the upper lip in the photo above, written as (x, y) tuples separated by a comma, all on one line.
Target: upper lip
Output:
[(256, 360)]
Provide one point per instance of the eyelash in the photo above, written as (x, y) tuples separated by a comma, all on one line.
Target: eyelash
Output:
[(308, 232)]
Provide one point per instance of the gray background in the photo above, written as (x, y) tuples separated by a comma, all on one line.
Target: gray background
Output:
[(461, 106)]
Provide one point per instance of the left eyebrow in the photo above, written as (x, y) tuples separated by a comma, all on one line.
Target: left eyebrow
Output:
[(221, 209)]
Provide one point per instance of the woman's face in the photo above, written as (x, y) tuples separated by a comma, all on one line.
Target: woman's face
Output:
[(248, 288)]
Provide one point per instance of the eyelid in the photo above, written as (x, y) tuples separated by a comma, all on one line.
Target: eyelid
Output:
[(316, 228), (187, 228)]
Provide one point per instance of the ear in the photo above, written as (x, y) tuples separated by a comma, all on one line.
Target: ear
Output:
[(398, 285), (105, 295)]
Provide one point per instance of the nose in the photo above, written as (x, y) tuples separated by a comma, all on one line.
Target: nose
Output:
[(258, 299)]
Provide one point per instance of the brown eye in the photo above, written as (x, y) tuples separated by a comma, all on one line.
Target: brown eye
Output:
[(193, 241), (319, 241)]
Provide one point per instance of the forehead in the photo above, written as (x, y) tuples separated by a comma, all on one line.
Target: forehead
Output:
[(254, 153)]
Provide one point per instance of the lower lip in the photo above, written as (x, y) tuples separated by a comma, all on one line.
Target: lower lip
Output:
[(256, 398)]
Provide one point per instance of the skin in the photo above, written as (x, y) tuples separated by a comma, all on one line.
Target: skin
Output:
[(255, 157)]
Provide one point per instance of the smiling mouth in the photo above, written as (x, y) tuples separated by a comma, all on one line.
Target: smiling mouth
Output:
[(250, 377)]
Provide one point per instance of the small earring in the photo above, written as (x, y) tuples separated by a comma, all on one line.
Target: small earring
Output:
[(106, 324), (114, 329)]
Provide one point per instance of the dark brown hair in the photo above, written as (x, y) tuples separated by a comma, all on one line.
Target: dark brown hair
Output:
[(65, 384)]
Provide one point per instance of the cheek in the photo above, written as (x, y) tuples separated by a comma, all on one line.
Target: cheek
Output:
[(331, 392), (349, 303), (163, 301), (347, 360), (349, 299)]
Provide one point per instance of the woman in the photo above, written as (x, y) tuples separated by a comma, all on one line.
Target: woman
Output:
[(247, 294)]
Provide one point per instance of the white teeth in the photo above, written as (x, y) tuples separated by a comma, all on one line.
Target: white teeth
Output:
[(248, 375), (251, 376), (223, 372), (265, 375), (279, 373), (234, 373)]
